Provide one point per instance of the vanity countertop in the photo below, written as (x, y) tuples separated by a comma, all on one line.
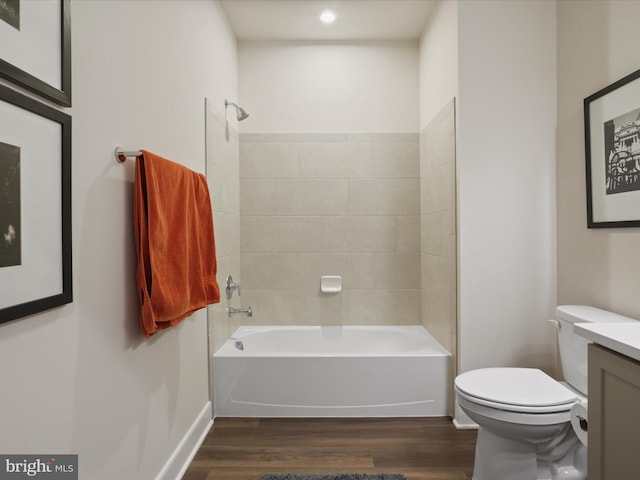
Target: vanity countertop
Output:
[(623, 338)]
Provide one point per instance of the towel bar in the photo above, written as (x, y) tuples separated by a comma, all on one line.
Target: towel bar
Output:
[(122, 155)]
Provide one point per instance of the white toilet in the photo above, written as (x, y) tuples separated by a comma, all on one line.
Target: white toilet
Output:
[(524, 415)]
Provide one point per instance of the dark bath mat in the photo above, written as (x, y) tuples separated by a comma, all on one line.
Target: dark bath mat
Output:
[(338, 476)]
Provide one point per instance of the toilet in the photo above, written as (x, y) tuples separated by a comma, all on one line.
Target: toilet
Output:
[(525, 432)]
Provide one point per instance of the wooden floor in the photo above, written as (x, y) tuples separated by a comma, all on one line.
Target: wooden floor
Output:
[(419, 448)]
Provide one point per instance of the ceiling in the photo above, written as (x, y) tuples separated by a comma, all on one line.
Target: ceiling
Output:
[(355, 19)]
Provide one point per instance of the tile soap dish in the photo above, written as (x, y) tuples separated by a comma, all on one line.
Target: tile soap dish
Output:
[(331, 284)]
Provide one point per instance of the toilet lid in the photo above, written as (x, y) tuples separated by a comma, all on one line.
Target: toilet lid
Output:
[(523, 387)]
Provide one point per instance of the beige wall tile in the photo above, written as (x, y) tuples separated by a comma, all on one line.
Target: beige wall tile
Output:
[(222, 166), (246, 226), (383, 307), (270, 307), (222, 170), (216, 176), (439, 194), (274, 271), (335, 159), (384, 196), (438, 234), (257, 196), (333, 220), (360, 234), (257, 137), (224, 191), (228, 265), (449, 246), (408, 233), (311, 137), (431, 234), (218, 326), (314, 265), (217, 147), (439, 274), (265, 234), (227, 234), (311, 197), (233, 155), (396, 160), (383, 271), (268, 160), (292, 307), (383, 137), (268, 234), (438, 296), (438, 245)]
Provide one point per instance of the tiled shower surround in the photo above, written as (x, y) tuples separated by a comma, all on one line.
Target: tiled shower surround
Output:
[(330, 204), (438, 220), (223, 176), (377, 209)]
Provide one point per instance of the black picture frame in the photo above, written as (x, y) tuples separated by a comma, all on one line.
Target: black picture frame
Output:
[(612, 147), (27, 80), (15, 108)]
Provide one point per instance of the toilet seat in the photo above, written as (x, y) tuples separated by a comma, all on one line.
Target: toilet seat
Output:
[(518, 390)]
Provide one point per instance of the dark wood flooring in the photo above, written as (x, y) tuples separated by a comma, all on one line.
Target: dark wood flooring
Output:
[(419, 448)]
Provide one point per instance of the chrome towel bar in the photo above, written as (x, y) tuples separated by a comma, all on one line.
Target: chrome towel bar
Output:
[(122, 155)]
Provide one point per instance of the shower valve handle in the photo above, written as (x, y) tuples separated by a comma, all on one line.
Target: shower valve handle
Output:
[(231, 287)]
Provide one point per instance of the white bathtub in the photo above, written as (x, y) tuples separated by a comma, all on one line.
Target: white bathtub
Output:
[(336, 371)]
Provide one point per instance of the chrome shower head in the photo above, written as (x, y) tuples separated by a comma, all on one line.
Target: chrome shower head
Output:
[(241, 113)]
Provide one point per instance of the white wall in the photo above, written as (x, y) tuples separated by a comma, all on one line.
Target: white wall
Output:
[(597, 267), (356, 87), (506, 183), (82, 379), (438, 61)]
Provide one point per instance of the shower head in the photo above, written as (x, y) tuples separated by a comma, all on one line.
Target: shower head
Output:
[(241, 114)]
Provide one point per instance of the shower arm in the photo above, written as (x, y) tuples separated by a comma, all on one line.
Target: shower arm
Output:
[(241, 113)]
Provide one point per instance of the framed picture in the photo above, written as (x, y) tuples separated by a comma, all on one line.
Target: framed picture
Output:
[(35, 47), (35, 206), (612, 147)]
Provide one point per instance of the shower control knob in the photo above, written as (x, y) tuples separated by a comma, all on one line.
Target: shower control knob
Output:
[(231, 287)]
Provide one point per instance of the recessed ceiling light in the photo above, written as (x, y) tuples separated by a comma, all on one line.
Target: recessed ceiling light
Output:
[(327, 17)]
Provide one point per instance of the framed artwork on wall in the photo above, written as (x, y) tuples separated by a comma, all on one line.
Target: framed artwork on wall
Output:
[(35, 47), (612, 149), (35, 206)]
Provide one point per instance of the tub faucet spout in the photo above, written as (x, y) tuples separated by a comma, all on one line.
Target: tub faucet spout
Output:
[(245, 311)]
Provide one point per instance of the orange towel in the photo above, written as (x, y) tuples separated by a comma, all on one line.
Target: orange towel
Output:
[(173, 226)]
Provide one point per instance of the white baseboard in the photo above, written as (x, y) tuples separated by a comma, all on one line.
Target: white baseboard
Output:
[(179, 461), (462, 421), (464, 426)]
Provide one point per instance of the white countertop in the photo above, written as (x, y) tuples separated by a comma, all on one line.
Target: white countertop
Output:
[(623, 338)]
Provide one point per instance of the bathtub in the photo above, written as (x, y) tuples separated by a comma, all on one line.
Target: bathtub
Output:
[(335, 371)]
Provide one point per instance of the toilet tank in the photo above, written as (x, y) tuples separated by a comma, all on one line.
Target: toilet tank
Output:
[(573, 348)]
